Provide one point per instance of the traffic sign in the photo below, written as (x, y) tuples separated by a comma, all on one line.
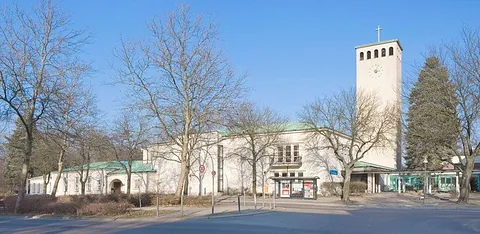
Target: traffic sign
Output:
[(213, 173), (333, 172), (202, 169)]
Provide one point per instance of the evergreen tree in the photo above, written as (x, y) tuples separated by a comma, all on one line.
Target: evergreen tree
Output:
[(43, 158), (14, 158), (432, 125)]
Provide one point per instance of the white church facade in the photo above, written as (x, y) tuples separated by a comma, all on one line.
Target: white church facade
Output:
[(291, 170)]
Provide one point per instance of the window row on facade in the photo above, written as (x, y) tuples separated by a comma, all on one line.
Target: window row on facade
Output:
[(36, 188), (287, 174), (375, 53)]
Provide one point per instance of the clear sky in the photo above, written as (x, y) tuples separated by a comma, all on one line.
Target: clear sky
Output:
[(293, 51)]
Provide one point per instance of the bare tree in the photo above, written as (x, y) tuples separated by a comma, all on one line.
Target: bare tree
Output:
[(36, 51), (43, 158), (463, 60), (258, 131), (90, 145), (180, 79), (351, 124), (73, 111), (130, 134)]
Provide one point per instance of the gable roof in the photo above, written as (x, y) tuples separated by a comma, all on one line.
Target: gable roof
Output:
[(117, 167)]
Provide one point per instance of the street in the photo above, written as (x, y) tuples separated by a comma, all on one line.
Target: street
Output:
[(326, 220)]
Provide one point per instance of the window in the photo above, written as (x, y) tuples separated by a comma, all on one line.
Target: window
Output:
[(292, 174), (99, 187), (65, 183), (280, 154), (369, 55), (384, 52), (300, 174), (276, 174), (361, 56), (76, 183), (375, 53), (220, 168), (138, 183), (89, 184), (390, 51), (296, 157), (288, 153), (284, 174)]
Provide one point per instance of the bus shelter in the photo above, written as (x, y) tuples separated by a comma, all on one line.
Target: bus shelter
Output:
[(295, 187)]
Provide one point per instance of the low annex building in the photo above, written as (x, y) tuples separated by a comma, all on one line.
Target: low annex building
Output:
[(102, 178)]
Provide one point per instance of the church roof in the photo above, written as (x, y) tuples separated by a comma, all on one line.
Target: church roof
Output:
[(117, 167), (380, 43)]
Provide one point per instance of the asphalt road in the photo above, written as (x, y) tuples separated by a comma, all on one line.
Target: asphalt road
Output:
[(321, 221)]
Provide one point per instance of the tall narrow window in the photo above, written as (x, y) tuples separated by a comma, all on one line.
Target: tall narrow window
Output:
[(99, 187), (76, 183), (89, 184), (369, 55), (280, 154), (288, 153), (375, 53), (296, 155), (384, 52), (220, 168), (390, 51), (138, 184), (361, 56), (65, 183)]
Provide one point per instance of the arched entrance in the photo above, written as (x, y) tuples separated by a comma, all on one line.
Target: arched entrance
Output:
[(116, 186)]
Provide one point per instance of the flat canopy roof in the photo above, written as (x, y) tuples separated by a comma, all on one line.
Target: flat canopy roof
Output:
[(295, 178)]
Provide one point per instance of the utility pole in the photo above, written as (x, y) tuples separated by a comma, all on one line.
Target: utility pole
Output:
[(213, 190)]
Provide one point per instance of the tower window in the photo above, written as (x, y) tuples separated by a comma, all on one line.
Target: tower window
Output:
[(369, 55), (361, 56), (375, 53), (384, 52), (390, 51)]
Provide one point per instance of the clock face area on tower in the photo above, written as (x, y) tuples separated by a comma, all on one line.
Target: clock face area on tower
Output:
[(376, 71)]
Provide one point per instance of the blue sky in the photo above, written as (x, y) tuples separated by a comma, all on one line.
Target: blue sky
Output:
[(293, 51)]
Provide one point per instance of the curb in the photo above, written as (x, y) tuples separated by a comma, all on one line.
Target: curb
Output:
[(220, 216)]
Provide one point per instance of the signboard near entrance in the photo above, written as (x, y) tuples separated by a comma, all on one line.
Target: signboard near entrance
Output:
[(333, 172), (285, 189)]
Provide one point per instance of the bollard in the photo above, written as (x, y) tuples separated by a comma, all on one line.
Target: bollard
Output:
[(238, 202)]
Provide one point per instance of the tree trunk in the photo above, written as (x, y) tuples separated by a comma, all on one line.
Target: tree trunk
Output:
[(46, 180), (82, 187), (346, 184), (183, 171), (59, 173), (129, 181), (465, 181), (25, 167)]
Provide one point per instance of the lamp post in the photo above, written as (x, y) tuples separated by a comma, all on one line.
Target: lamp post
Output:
[(425, 162)]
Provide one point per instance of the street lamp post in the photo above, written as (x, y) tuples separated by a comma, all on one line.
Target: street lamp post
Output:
[(425, 186)]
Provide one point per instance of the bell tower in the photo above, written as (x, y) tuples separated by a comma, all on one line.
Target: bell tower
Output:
[(379, 70)]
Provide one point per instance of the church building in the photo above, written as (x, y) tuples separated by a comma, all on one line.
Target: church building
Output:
[(290, 170)]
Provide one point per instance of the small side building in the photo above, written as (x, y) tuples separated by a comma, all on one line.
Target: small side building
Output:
[(102, 178)]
